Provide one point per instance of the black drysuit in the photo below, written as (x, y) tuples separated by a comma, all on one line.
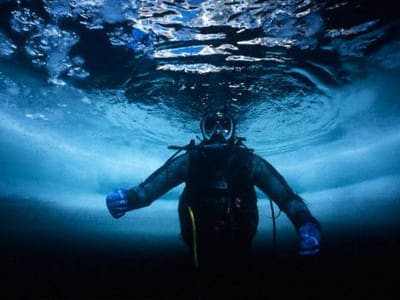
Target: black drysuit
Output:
[(218, 206)]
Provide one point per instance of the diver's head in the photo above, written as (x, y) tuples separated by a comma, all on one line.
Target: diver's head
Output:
[(217, 127)]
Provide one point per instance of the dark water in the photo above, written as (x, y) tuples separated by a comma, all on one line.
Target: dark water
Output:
[(53, 253), (92, 92)]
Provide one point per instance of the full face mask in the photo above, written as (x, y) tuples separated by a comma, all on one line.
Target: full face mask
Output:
[(217, 127)]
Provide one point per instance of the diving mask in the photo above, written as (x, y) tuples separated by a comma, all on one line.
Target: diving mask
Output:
[(217, 125)]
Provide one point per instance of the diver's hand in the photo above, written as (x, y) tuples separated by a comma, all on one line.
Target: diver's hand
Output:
[(117, 203), (310, 236)]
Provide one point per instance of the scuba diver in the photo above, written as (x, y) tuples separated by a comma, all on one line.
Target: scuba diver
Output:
[(217, 209)]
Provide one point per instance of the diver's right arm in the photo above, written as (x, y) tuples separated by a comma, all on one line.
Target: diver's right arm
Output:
[(171, 174)]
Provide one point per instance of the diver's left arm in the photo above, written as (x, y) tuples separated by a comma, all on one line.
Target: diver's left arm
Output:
[(171, 174), (272, 183)]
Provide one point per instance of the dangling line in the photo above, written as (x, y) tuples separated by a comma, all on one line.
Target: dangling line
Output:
[(273, 228), (195, 257)]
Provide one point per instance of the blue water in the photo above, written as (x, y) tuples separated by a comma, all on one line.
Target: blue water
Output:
[(93, 92)]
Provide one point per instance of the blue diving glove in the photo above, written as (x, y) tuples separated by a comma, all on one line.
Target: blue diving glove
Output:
[(310, 236), (117, 202)]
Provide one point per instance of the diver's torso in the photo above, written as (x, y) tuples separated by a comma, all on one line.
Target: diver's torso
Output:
[(221, 196)]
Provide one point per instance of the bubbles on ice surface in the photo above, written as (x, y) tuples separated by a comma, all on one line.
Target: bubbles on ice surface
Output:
[(7, 47), (95, 13), (50, 48), (119, 36), (259, 34), (58, 8), (24, 21)]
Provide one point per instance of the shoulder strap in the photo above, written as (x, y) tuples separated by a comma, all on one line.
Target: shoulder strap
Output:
[(179, 149)]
